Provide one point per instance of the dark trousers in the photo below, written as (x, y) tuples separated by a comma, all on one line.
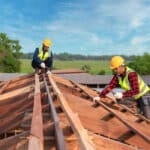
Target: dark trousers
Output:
[(143, 104), (48, 63)]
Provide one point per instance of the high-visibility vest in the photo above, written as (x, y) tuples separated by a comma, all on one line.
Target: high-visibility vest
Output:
[(125, 84), (43, 56)]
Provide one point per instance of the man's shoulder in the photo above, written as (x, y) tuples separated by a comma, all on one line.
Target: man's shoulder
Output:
[(36, 49), (132, 74)]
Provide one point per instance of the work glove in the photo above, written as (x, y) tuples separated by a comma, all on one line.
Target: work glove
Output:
[(48, 72), (42, 65), (118, 95), (96, 99)]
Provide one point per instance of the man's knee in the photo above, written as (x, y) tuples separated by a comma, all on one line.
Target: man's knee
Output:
[(48, 62), (35, 64), (146, 105)]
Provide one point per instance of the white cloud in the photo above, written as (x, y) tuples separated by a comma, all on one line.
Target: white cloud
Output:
[(106, 26), (124, 16), (141, 16), (136, 22), (95, 39), (67, 5), (139, 40), (54, 27)]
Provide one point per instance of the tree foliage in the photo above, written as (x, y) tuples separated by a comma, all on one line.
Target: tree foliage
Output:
[(102, 72), (9, 54), (141, 64), (86, 68), (68, 56)]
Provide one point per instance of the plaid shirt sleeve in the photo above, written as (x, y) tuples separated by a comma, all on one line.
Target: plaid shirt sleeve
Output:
[(133, 80), (113, 83)]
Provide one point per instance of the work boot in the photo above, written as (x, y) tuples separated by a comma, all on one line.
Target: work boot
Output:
[(48, 72), (139, 111)]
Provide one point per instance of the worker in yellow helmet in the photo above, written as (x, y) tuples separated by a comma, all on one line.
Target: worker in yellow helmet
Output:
[(131, 82), (43, 57)]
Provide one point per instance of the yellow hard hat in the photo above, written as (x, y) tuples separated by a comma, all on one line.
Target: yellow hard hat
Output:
[(116, 61), (47, 42)]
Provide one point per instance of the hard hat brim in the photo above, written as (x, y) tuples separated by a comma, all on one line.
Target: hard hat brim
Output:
[(46, 45), (112, 67)]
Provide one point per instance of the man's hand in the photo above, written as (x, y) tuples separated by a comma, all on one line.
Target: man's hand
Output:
[(118, 95), (42, 65), (96, 99)]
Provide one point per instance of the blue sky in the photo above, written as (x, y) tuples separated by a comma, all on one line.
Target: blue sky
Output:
[(90, 27)]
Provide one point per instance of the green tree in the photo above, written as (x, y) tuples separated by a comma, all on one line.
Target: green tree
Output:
[(102, 72), (86, 68), (9, 54), (141, 64)]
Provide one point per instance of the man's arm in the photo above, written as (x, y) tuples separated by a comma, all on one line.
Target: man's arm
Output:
[(113, 83), (35, 56)]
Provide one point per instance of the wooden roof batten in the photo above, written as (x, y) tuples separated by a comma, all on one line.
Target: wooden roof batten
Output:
[(36, 138), (58, 131), (84, 139), (109, 126), (134, 126)]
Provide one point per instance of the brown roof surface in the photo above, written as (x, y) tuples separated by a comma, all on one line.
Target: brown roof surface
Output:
[(38, 110)]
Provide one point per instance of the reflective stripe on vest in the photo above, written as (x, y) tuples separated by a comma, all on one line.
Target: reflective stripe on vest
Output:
[(43, 56), (126, 85)]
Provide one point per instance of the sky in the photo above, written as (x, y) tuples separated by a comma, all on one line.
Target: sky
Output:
[(88, 27)]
